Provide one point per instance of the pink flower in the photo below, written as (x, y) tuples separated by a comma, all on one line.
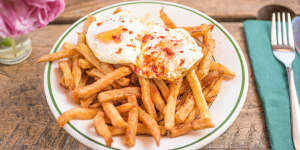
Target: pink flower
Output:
[(22, 16)]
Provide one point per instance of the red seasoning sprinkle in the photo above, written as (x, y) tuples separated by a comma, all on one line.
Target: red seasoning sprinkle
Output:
[(166, 29), (180, 51), (99, 23), (119, 51), (124, 29), (117, 38), (181, 62), (130, 32), (162, 37), (146, 37), (122, 21), (168, 51)]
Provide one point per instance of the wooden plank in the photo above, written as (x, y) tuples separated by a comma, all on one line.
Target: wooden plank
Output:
[(27, 123), (218, 9)]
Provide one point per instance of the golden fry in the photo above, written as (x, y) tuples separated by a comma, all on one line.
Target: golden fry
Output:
[(113, 114), (212, 91), (146, 97), (87, 102), (117, 10), (89, 90), (226, 73), (164, 89), (198, 95), (67, 75), (89, 20), (83, 81), (102, 129), (80, 38), (185, 109), (118, 94), (204, 123), (169, 111), (76, 71), (141, 130), (156, 97), (66, 51), (209, 44), (166, 19), (192, 115), (125, 107), (199, 30), (180, 129), (185, 87), (76, 114), (150, 123), (132, 123), (104, 68), (98, 75), (84, 64)]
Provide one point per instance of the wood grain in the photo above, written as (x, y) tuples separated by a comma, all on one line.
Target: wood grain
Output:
[(218, 9), (27, 123)]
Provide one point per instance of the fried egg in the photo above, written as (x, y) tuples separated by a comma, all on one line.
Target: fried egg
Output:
[(167, 53), (114, 39), (156, 51)]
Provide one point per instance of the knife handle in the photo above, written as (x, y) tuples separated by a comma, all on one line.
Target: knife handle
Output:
[(295, 109)]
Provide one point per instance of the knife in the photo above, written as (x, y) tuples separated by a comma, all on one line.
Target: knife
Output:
[(296, 29)]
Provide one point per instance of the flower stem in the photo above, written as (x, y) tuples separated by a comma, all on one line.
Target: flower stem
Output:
[(13, 45)]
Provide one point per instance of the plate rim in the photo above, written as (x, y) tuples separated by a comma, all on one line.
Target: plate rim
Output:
[(221, 128)]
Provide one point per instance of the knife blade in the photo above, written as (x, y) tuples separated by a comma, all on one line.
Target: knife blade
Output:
[(296, 29)]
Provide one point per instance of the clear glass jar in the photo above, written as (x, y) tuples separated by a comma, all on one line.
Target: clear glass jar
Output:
[(23, 48)]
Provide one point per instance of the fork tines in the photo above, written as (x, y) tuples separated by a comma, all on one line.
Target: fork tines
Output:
[(279, 38)]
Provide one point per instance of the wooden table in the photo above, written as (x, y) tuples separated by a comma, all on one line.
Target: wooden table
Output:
[(26, 120)]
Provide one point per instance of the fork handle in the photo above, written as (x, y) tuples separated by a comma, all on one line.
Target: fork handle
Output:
[(295, 109)]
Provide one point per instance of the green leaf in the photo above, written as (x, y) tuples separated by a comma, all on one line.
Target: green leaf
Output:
[(6, 42)]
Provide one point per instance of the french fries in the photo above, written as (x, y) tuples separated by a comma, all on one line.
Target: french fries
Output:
[(198, 95), (132, 122), (180, 129), (209, 46), (121, 102), (146, 97), (117, 10), (85, 103), (84, 64), (67, 75), (113, 114), (141, 130), (89, 20), (97, 86), (125, 107), (118, 94), (67, 51), (76, 71), (150, 123), (203, 123), (164, 89), (76, 114), (226, 73), (169, 110), (102, 129), (185, 109), (165, 18), (156, 97), (211, 92)]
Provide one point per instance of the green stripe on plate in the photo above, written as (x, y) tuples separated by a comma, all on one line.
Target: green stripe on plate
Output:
[(161, 3)]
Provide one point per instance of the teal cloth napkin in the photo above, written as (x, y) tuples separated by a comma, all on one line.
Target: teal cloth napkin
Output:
[(271, 82)]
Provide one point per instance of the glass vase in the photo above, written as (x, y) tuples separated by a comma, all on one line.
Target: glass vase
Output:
[(15, 50)]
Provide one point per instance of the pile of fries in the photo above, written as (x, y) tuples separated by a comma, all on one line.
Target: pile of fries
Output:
[(122, 103)]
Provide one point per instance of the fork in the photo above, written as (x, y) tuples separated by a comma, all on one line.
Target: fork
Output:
[(284, 50)]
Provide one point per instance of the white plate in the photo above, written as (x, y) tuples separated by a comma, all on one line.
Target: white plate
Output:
[(224, 110)]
